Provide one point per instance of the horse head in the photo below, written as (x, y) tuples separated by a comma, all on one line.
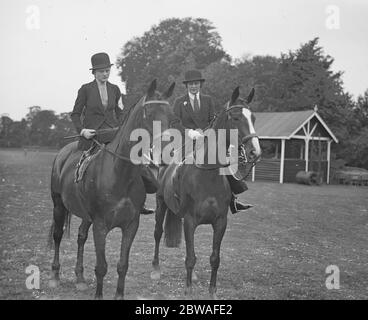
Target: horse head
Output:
[(140, 122), (156, 107), (238, 116)]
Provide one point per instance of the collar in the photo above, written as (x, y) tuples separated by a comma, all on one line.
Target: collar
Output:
[(101, 85), (191, 96)]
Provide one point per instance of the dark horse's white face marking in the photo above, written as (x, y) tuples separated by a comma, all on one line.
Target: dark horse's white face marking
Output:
[(244, 119), (254, 141)]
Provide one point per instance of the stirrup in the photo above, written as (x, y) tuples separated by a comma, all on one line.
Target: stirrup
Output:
[(146, 211)]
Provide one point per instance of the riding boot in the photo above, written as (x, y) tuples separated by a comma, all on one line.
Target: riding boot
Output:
[(236, 206)]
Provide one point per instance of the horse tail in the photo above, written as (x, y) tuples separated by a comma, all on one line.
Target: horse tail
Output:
[(173, 230)]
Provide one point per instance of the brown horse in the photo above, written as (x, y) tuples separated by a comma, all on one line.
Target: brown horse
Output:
[(110, 195), (200, 195)]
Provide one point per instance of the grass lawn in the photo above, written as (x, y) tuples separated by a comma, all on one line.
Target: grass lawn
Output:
[(280, 249)]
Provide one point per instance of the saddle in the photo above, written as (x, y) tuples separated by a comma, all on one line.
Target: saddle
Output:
[(84, 161)]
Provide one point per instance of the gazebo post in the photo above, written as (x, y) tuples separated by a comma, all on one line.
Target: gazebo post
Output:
[(328, 160), (282, 162), (306, 156)]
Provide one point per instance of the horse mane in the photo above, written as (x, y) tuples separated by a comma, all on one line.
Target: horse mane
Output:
[(134, 115)]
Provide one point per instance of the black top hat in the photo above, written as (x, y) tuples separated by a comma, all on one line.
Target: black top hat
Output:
[(193, 75), (100, 61)]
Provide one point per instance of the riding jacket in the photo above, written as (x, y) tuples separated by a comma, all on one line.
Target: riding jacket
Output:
[(191, 119), (89, 112)]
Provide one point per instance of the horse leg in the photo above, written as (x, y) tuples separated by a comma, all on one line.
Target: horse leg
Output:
[(126, 243), (82, 238), (159, 217), (190, 260), (60, 213), (99, 237), (219, 227)]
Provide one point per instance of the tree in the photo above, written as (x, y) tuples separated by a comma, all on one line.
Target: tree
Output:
[(305, 79), (18, 134), (63, 127), (166, 50), (355, 147), (5, 130), (361, 110), (221, 80), (42, 124), (258, 72)]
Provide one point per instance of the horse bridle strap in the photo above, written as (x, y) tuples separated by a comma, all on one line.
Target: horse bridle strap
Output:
[(145, 103), (249, 137), (229, 108)]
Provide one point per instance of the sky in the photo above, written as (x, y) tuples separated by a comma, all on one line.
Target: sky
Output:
[(47, 44)]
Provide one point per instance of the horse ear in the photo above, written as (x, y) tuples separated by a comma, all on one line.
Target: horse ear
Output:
[(170, 91), (250, 96), (235, 95), (152, 88)]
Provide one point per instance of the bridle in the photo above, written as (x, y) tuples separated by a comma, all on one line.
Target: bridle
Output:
[(244, 140), (145, 103)]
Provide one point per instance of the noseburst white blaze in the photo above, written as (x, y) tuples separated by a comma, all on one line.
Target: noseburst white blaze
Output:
[(255, 142)]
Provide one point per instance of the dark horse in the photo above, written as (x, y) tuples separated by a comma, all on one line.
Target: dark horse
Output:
[(110, 195), (200, 195)]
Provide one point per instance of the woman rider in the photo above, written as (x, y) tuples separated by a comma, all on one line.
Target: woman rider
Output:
[(97, 115)]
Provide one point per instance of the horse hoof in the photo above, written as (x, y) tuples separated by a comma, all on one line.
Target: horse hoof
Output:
[(188, 293), (194, 277), (119, 297), (81, 286), (98, 298), (54, 283), (213, 296), (156, 275)]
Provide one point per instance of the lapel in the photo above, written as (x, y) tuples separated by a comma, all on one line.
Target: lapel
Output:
[(190, 110), (201, 104)]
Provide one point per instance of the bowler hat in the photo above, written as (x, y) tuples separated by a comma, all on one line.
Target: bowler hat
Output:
[(193, 75), (100, 61)]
